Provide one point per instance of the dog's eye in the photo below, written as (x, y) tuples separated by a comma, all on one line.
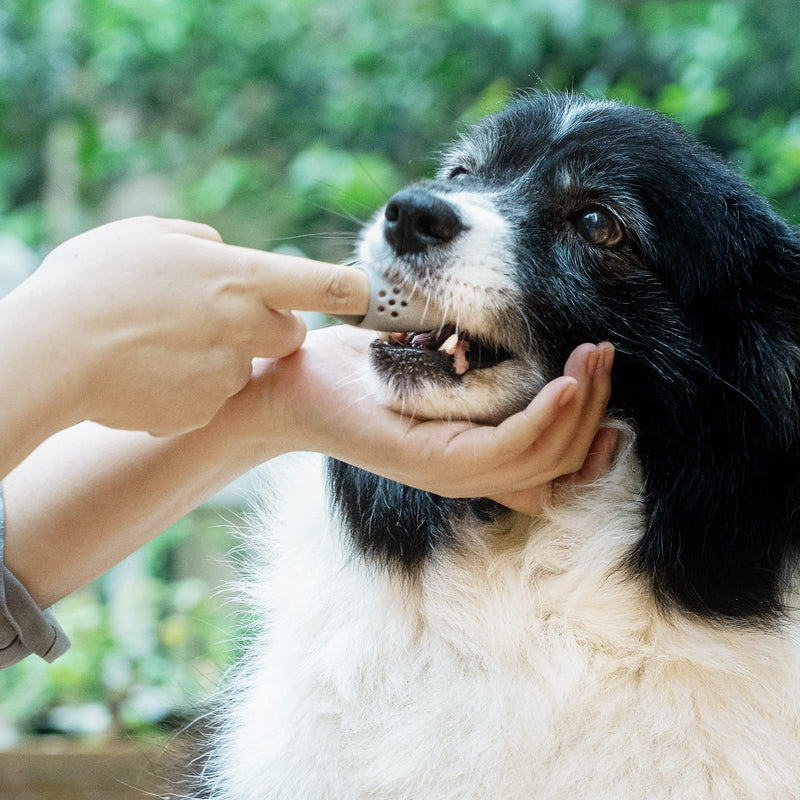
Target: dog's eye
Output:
[(456, 171), (598, 227)]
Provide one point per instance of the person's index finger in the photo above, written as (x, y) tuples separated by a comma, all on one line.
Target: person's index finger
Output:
[(302, 284)]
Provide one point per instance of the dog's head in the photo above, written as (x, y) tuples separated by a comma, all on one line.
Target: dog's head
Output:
[(562, 220)]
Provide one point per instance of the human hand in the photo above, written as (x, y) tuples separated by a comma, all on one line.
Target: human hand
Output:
[(315, 400), (156, 321), (579, 449)]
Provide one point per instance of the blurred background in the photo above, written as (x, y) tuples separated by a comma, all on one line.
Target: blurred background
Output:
[(285, 124)]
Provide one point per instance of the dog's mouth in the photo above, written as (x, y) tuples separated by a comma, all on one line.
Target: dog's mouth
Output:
[(443, 352)]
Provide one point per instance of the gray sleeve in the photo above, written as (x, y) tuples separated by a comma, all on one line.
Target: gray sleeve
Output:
[(24, 627)]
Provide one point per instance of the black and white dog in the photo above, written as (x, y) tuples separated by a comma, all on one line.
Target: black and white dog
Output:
[(640, 640)]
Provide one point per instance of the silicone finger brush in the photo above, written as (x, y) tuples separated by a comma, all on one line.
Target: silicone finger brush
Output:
[(395, 306)]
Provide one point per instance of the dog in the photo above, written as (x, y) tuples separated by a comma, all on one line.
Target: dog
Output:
[(640, 638)]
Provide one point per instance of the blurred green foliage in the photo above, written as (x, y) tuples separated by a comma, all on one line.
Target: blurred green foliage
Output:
[(287, 121), (268, 118), (148, 640)]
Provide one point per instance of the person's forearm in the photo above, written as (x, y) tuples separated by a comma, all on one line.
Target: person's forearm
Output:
[(37, 379), (89, 496)]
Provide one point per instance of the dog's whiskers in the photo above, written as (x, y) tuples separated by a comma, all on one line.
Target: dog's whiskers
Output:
[(348, 380)]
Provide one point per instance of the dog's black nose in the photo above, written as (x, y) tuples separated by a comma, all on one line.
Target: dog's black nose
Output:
[(416, 219)]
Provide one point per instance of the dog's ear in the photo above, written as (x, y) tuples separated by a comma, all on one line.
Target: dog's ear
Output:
[(719, 434)]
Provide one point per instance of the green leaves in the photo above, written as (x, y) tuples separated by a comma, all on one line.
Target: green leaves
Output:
[(214, 190), (692, 106), (269, 117), (144, 639), (351, 183)]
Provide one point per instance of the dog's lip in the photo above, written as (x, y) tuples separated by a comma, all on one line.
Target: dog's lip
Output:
[(448, 345)]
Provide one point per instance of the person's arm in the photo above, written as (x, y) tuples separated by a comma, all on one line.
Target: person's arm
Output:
[(150, 324), (89, 496), (38, 387), (24, 627)]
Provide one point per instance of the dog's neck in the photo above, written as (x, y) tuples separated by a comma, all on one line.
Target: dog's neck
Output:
[(490, 584)]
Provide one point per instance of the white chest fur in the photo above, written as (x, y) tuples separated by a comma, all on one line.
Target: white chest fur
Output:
[(524, 664)]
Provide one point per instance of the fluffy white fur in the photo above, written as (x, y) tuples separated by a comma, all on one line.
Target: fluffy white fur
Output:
[(524, 664)]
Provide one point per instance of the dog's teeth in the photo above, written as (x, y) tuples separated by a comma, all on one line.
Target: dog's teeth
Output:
[(460, 360), (449, 344), (384, 336)]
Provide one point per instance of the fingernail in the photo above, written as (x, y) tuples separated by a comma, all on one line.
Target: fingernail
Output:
[(567, 394)]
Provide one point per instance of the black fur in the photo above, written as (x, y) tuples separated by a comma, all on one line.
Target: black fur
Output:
[(701, 300), (396, 524)]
